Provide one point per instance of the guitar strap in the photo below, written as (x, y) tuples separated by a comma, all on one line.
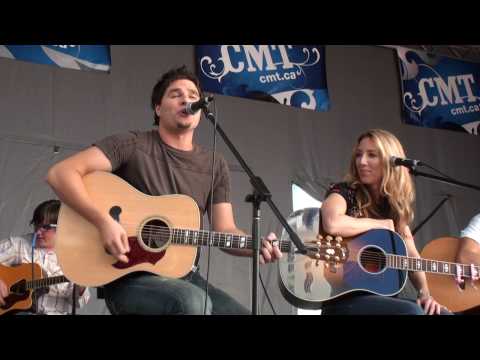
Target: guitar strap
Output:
[(173, 187)]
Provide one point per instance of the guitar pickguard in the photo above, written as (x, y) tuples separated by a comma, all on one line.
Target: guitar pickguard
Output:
[(138, 255)]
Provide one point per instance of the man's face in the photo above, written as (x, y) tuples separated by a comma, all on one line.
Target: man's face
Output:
[(171, 108), (45, 235)]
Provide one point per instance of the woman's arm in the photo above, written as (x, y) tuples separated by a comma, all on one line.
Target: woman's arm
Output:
[(336, 222)]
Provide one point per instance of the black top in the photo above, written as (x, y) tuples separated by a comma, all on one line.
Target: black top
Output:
[(348, 192)]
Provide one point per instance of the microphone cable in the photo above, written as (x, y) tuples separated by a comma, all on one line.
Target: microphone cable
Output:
[(266, 294), (438, 171), (215, 111), (210, 237)]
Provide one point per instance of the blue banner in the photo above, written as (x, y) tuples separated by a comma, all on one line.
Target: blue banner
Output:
[(79, 57), (292, 75), (440, 92)]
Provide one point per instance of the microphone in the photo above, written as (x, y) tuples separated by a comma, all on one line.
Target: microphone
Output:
[(396, 161), (192, 108)]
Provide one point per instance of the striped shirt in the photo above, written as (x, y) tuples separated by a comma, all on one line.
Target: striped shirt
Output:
[(17, 250)]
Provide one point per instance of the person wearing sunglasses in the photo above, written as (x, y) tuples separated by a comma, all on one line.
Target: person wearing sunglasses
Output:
[(15, 250)]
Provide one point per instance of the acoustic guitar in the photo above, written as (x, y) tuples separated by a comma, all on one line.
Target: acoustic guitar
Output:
[(444, 289), (375, 262), (21, 286), (163, 233)]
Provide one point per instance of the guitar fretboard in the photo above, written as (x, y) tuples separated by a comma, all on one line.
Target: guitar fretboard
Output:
[(431, 266), (217, 239), (45, 282)]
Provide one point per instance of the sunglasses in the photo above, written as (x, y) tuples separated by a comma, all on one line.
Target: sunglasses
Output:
[(47, 227)]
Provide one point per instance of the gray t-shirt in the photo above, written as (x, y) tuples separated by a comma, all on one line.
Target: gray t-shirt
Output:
[(142, 159)]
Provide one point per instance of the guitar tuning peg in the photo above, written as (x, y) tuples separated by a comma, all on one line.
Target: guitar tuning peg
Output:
[(333, 268), (338, 239), (329, 238), (327, 265), (336, 258), (319, 237), (317, 256), (327, 257)]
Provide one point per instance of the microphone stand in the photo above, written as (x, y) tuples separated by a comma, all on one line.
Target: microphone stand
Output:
[(415, 172), (34, 295), (74, 299), (429, 216), (260, 194)]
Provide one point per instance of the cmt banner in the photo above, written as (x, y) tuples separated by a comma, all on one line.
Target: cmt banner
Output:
[(440, 92), (79, 57), (292, 75)]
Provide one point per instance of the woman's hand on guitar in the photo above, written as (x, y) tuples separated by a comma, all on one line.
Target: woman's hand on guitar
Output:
[(429, 304), (115, 239), (3, 292), (270, 251)]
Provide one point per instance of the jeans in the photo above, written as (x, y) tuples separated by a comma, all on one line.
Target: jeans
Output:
[(370, 304), (143, 293)]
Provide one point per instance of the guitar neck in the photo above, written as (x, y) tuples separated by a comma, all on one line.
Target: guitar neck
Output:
[(430, 266), (45, 282), (217, 239)]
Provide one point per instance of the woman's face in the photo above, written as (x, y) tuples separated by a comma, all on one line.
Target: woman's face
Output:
[(369, 163)]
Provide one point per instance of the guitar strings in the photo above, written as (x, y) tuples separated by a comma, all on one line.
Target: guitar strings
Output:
[(159, 231), (366, 255)]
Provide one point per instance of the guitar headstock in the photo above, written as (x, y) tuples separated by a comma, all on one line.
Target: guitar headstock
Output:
[(331, 250)]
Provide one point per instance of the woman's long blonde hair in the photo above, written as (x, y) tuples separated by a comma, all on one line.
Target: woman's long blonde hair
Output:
[(397, 185)]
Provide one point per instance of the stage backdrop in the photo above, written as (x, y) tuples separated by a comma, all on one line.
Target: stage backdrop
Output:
[(440, 92), (79, 57), (292, 75)]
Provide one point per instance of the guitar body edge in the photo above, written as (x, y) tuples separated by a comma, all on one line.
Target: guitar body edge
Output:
[(12, 275), (308, 283), (80, 250), (443, 287)]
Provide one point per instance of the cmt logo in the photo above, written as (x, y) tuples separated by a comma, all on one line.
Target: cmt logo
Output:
[(237, 58), (449, 92)]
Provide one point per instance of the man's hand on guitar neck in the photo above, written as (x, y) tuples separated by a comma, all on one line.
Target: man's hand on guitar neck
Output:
[(115, 239), (270, 251), (468, 252), (3, 292)]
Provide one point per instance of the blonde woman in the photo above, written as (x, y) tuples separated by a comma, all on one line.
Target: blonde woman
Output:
[(376, 195)]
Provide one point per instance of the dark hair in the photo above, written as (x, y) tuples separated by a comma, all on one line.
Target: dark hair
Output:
[(46, 212), (165, 81)]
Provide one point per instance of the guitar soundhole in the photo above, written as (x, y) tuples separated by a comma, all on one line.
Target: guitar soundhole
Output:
[(372, 259), (155, 234), (19, 288)]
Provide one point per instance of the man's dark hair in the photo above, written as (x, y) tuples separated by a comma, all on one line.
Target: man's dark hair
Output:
[(46, 213), (167, 78)]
